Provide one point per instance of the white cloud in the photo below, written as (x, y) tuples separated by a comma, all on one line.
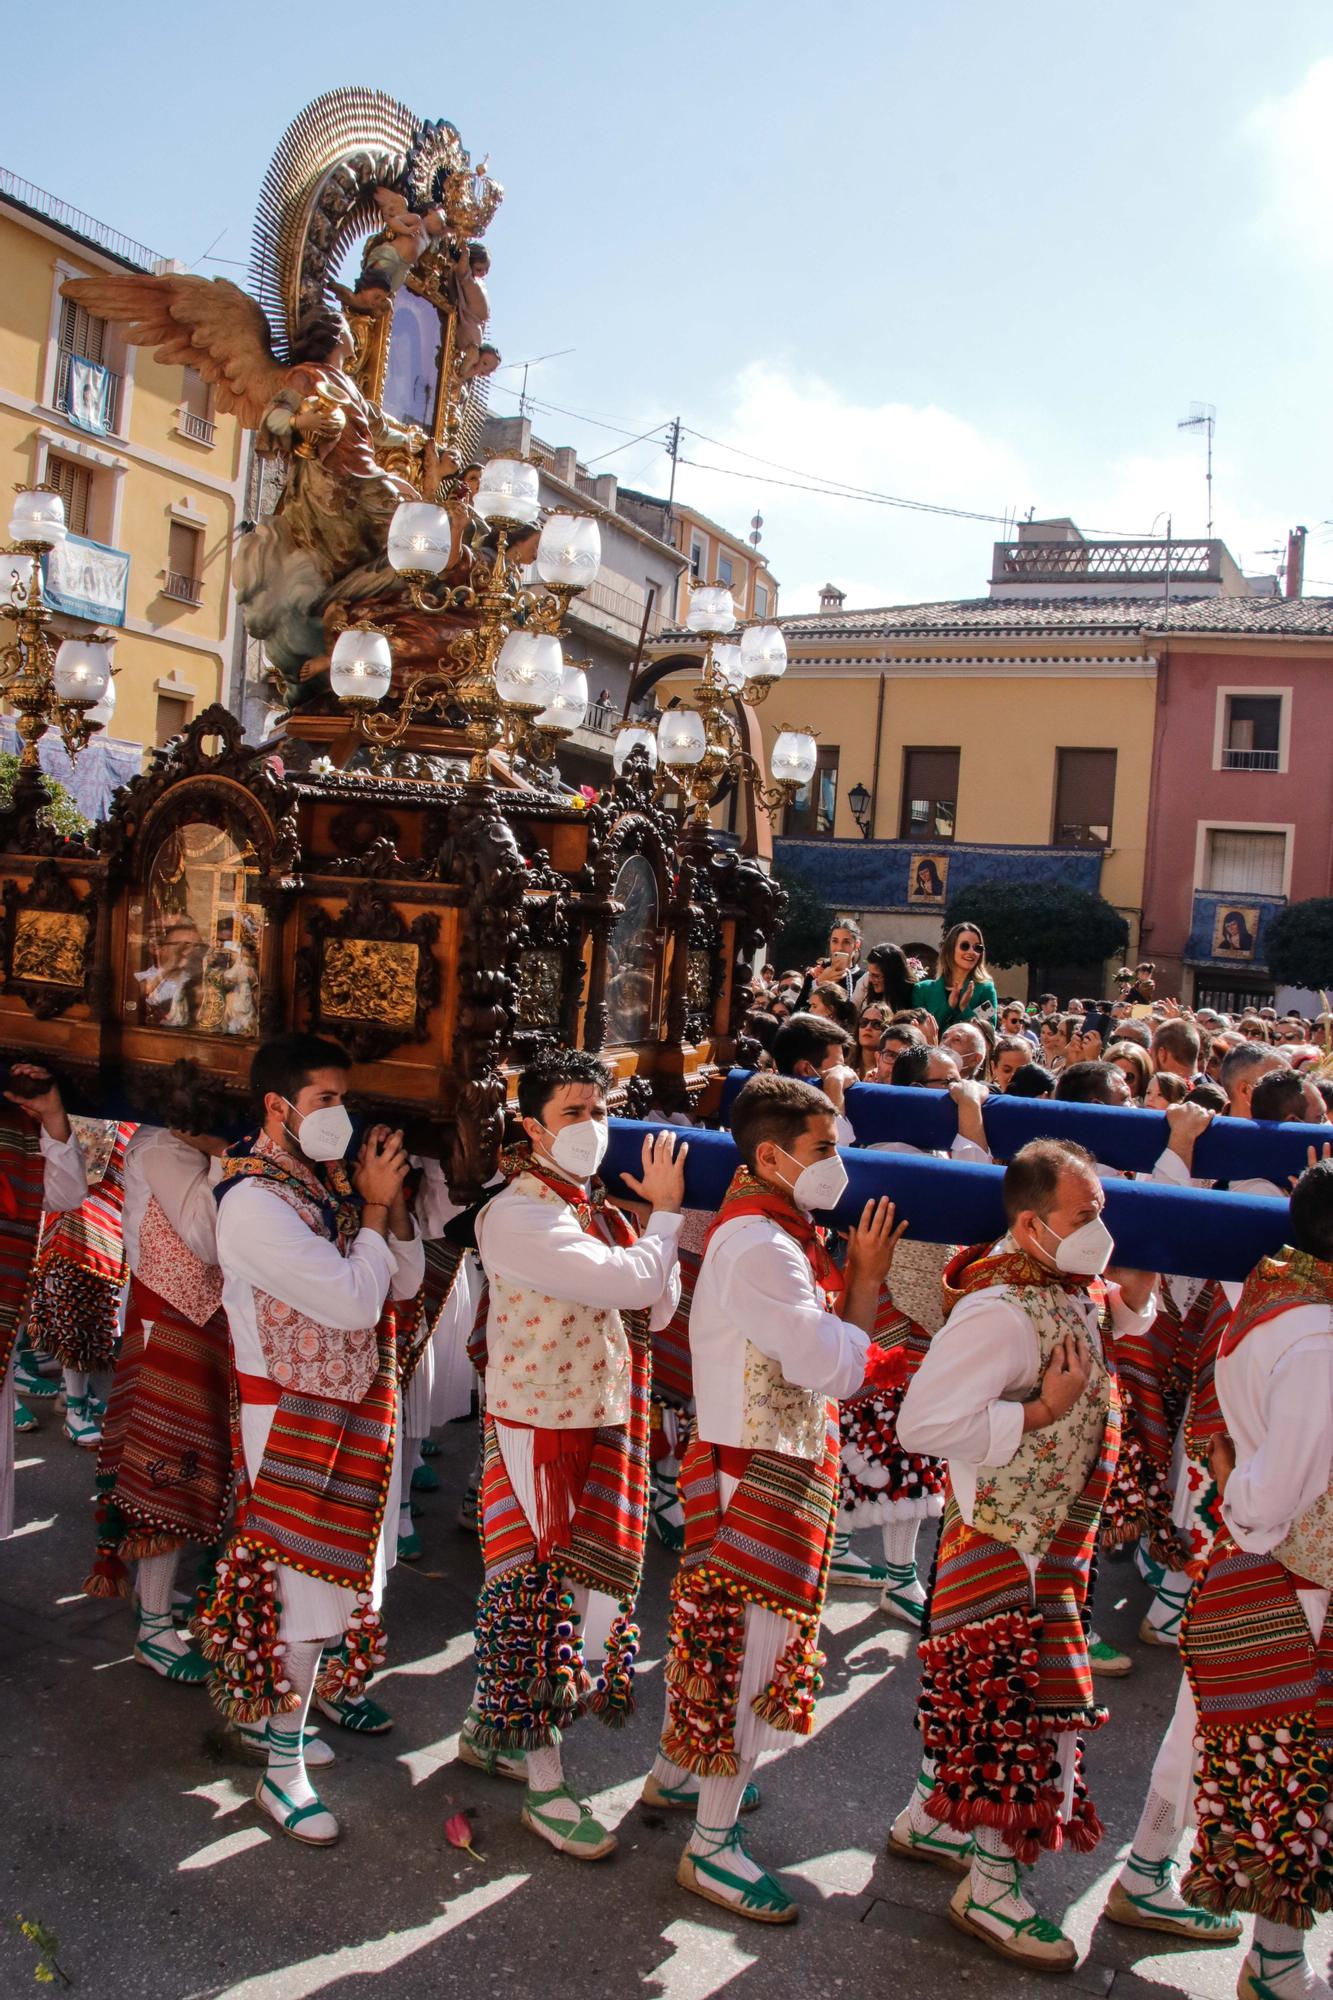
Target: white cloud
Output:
[(923, 453), (1293, 135)]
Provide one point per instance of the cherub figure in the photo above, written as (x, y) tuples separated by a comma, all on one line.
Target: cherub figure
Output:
[(471, 268), (391, 253)]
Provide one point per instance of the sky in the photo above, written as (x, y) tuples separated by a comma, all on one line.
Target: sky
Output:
[(984, 258)]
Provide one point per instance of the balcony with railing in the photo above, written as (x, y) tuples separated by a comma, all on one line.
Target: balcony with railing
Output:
[(109, 413), (1251, 760), (1137, 562), (606, 607), (183, 589), (200, 430)]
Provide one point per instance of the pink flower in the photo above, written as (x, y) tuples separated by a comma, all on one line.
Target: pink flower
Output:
[(458, 1833)]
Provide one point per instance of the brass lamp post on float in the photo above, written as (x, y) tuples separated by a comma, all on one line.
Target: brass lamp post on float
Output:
[(69, 686), (698, 742), (507, 673)]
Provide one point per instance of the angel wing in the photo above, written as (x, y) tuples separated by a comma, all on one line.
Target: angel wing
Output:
[(208, 324)]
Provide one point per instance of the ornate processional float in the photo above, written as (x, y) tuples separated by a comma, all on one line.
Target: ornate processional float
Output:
[(396, 866)]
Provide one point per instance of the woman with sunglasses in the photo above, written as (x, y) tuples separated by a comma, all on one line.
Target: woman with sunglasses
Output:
[(869, 1030), (962, 985)]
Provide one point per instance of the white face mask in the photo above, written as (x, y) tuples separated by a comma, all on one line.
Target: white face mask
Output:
[(578, 1150), (1086, 1251), (324, 1134), (820, 1186)]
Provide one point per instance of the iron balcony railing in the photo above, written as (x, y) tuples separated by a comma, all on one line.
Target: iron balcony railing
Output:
[(1104, 562), (185, 589), (201, 429), (76, 221), (1250, 760)]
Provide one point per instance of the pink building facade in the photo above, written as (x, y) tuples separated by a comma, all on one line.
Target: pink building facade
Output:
[(1241, 810)]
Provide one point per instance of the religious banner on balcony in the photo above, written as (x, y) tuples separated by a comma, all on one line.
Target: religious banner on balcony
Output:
[(89, 395), (86, 580)]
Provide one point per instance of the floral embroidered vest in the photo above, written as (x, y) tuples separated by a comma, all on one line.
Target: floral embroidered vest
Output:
[(168, 1266), (1025, 1502), (776, 1415), (553, 1363)]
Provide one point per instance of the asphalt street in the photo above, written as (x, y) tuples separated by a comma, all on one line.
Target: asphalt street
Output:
[(129, 1831)]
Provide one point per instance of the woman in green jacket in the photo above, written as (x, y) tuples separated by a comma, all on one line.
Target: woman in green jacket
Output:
[(963, 985)]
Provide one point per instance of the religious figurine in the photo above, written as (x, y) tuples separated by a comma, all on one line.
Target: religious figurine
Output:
[(319, 560), (391, 254), (470, 269)]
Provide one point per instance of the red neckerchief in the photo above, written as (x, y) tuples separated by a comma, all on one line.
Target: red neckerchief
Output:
[(977, 1268), (588, 1199), (1292, 1278), (748, 1195)]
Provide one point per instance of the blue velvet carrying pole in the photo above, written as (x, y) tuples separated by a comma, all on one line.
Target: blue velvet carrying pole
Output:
[(1190, 1232), (1231, 1149)]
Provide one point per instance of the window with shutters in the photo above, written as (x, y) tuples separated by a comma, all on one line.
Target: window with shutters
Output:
[(83, 336), (815, 807), (173, 713), (726, 570), (1084, 797), (930, 794), (1236, 860), (761, 600), (74, 484), (196, 410), (185, 551)]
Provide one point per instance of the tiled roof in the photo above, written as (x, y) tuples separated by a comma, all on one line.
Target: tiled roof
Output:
[(1001, 617)]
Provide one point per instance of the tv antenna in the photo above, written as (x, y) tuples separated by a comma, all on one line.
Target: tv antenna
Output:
[(1203, 417)]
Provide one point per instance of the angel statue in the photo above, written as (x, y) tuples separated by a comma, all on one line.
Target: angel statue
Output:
[(319, 560)]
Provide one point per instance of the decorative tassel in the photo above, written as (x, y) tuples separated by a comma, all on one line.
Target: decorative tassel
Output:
[(1262, 1843), (347, 1671), (531, 1681), (108, 1576), (613, 1700), (788, 1702), (238, 1634), (706, 1641)]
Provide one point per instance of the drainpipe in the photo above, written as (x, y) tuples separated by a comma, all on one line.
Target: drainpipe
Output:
[(879, 740)]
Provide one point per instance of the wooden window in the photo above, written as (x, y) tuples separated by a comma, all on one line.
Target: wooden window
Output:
[(1084, 797), (74, 484), (82, 334), (814, 809), (185, 548), (1237, 861), (930, 794), (173, 712)]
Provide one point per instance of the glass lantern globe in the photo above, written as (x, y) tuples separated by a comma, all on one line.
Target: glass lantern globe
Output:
[(528, 671), (710, 609), (38, 517), (567, 710), (764, 652), (632, 736), (420, 537), (795, 754), (681, 738), (729, 664), (570, 551), (82, 671), (508, 491), (361, 666)]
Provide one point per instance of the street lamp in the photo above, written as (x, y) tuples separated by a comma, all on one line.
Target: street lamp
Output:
[(48, 685), (859, 800)]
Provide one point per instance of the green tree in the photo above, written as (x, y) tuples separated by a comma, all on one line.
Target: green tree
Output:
[(61, 812), (1300, 944), (1040, 923), (804, 934)]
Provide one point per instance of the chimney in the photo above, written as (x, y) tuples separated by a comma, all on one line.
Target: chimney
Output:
[(605, 488), (565, 464), (831, 598), (1296, 563)]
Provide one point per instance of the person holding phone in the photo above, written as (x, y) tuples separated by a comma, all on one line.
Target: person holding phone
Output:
[(314, 1250), (841, 965)]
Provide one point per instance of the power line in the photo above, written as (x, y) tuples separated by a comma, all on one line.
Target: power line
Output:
[(835, 491), (629, 444)]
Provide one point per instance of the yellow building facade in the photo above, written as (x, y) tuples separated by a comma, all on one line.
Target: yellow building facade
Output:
[(151, 476), (979, 740)]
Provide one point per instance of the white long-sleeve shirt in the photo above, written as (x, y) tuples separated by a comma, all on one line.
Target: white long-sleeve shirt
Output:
[(161, 1167), (64, 1175), (541, 1245), (1276, 1392), (756, 1286), (965, 1402), (263, 1244)]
